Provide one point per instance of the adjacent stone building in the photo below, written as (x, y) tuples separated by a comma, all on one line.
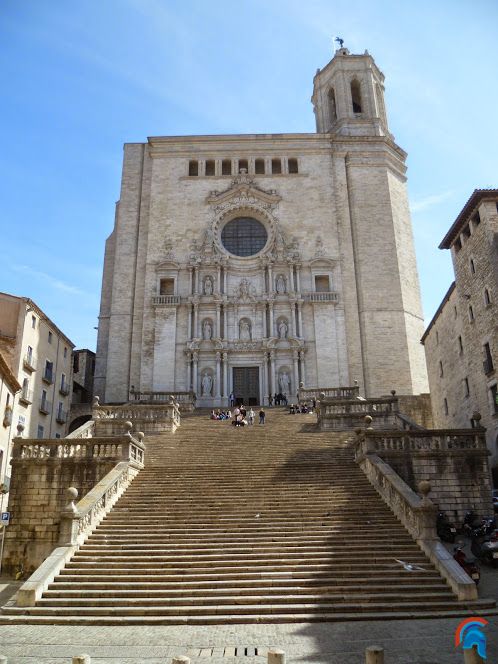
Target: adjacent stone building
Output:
[(461, 341), (250, 263), (9, 389), (39, 355), (82, 397)]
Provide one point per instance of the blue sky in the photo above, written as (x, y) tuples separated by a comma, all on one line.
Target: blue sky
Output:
[(81, 78)]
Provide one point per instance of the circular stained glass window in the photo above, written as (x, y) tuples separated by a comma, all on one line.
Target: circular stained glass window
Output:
[(244, 236)]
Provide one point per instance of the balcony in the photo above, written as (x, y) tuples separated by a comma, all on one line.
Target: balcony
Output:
[(166, 300), (488, 366), (45, 406), (26, 397), (48, 376), (61, 416), (29, 362), (321, 297), (64, 389)]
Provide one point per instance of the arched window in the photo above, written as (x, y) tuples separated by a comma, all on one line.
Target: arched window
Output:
[(356, 96), (226, 167), (332, 106)]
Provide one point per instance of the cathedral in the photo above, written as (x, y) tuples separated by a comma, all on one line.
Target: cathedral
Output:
[(249, 264)]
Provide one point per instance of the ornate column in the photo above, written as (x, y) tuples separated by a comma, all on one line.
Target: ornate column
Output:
[(266, 376), (272, 372), (303, 367), (195, 357), (270, 279), (272, 326), (225, 374), (218, 321), (189, 322), (218, 376), (219, 278), (300, 318), (293, 318), (188, 380), (196, 320), (191, 280), (291, 288), (196, 291), (225, 280), (298, 277), (295, 356), (264, 379)]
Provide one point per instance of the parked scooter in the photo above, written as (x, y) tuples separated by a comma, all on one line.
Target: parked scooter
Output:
[(484, 546), (470, 565), (470, 522), (445, 529)]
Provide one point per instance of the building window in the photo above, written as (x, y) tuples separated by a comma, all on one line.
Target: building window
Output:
[(466, 388), (193, 167), (460, 345), (243, 165), (472, 266), (65, 352), (57, 435), (466, 232), (332, 106), (167, 287), (293, 165), (33, 322), (488, 359), (458, 245), (276, 166), (445, 406), (476, 219), (494, 398), (441, 371), (244, 236), (48, 373), (356, 96), (40, 432), (259, 166), (226, 167), (210, 167), (322, 283), (50, 337), (471, 314), (487, 299)]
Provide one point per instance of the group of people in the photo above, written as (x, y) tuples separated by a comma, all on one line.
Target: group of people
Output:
[(241, 416), (277, 400), (302, 408)]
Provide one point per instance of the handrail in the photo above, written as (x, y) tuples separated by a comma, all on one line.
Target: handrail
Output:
[(307, 393), (434, 440)]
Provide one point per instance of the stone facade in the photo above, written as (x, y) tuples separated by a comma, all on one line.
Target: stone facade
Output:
[(39, 355), (9, 391), (461, 342), (330, 297)]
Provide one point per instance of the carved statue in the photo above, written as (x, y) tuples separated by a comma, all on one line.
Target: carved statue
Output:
[(244, 330), (284, 382), (282, 330), (208, 286), (206, 384), (280, 284), (207, 330)]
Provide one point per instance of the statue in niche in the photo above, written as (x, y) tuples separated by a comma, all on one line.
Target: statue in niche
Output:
[(284, 382), (208, 286), (282, 330), (280, 284), (207, 330), (244, 330), (206, 384)]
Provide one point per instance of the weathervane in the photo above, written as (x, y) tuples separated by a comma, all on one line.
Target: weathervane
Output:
[(340, 41)]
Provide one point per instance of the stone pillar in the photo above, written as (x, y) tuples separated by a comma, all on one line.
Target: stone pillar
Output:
[(270, 279), (268, 376), (218, 321), (191, 280), (303, 367), (264, 379), (295, 356), (225, 375), (195, 357), (291, 288), (276, 657), (300, 319), (272, 324), (77, 659), (293, 318), (196, 288), (298, 277), (224, 281), (374, 655), (196, 321), (189, 335), (188, 383), (272, 372), (218, 376)]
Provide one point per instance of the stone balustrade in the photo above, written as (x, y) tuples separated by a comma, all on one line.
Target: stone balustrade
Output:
[(343, 414), (306, 395), (86, 430), (417, 514), (166, 300), (184, 400), (391, 443), (151, 419), (328, 296)]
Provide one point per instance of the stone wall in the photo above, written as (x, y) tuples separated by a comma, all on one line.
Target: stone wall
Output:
[(417, 407)]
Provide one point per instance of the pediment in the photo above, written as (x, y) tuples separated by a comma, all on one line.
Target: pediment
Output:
[(243, 188)]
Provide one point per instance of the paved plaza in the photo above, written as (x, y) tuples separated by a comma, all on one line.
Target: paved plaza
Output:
[(405, 642)]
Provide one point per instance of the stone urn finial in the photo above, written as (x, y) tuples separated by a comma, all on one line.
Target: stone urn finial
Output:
[(358, 431), (128, 427), (96, 401), (322, 396), (301, 385), (171, 399), (393, 392), (476, 416), (368, 422), (20, 429), (424, 488), (140, 435), (71, 495)]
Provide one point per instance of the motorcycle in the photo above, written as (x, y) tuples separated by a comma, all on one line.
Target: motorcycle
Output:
[(484, 545), (445, 529), (470, 522), (469, 564)]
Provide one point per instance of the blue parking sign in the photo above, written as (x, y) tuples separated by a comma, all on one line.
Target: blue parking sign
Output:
[(5, 518)]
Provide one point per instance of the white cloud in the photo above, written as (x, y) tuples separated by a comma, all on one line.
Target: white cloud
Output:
[(58, 284), (430, 201)]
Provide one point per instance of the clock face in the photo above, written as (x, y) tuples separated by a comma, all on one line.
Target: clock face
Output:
[(244, 236)]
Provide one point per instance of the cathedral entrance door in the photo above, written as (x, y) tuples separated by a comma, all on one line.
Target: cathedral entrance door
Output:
[(246, 385)]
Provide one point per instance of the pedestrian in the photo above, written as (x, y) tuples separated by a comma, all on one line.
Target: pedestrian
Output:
[(232, 399), (270, 401), (262, 416), (251, 415)]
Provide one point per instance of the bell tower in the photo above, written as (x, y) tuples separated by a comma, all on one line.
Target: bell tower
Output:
[(348, 96)]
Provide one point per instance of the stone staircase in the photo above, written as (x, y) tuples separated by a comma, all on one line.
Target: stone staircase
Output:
[(272, 523)]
